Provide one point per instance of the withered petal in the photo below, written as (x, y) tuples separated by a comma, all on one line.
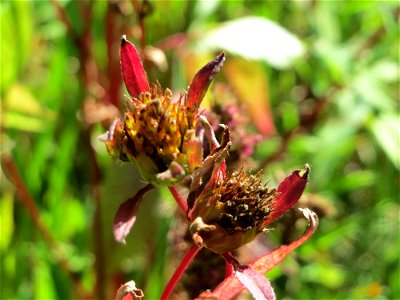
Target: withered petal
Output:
[(132, 69), (125, 217), (289, 192), (129, 288), (256, 283), (202, 80), (213, 162)]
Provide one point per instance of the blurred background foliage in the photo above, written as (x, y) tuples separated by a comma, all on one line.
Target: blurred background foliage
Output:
[(320, 82)]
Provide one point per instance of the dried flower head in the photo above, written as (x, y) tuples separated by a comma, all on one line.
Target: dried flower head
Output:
[(233, 208), (158, 134)]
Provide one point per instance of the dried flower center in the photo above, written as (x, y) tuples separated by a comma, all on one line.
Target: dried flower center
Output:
[(244, 200)]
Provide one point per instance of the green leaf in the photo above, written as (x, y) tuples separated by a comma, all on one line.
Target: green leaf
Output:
[(44, 287), (15, 39), (6, 217), (327, 274), (386, 131)]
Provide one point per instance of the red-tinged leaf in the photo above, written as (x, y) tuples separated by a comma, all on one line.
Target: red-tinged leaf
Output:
[(132, 69), (270, 260), (126, 214), (202, 80), (231, 286), (257, 284), (289, 192), (250, 83)]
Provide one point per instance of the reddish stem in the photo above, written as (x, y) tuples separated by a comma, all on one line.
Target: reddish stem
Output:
[(179, 199), (62, 15), (186, 260), (231, 260), (228, 269)]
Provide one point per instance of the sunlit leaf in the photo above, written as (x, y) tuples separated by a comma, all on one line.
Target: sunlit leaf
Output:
[(255, 38), (21, 110), (250, 83), (44, 285), (15, 39), (20, 99), (6, 217), (386, 130)]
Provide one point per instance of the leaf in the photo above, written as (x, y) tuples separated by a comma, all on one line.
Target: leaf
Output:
[(132, 69), (290, 190), (231, 286), (126, 214), (16, 43), (270, 260), (260, 39), (257, 284), (6, 215), (202, 80), (250, 84), (31, 116), (386, 130)]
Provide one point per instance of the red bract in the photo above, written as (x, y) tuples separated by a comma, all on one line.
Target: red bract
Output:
[(289, 191), (202, 80), (132, 69)]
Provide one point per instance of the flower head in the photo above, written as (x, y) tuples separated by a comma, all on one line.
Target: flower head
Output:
[(158, 134), (233, 208)]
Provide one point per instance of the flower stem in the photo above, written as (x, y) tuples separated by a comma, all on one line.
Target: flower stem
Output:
[(179, 199), (190, 254), (228, 269)]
